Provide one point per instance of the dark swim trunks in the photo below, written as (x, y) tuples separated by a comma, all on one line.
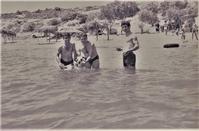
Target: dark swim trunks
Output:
[(129, 59), (66, 63), (92, 60)]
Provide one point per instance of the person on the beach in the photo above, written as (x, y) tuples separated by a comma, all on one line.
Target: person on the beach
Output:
[(183, 33), (165, 27), (195, 31), (157, 25), (90, 53), (132, 44), (67, 54)]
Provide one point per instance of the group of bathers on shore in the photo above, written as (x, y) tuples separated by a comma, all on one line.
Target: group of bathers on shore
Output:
[(68, 55)]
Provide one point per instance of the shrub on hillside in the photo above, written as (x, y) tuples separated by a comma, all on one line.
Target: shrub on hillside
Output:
[(72, 23), (18, 21), (88, 8), (92, 26), (163, 7), (16, 29), (8, 15), (152, 6), (183, 14), (180, 4), (57, 8), (193, 9), (38, 11), (10, 26), (28, 27), (148, 17), (177, 5), (93, 15), (172, 13), (54, 22), (38, 25), (119, 10), (68, 16), (82, 18), (19, 12)]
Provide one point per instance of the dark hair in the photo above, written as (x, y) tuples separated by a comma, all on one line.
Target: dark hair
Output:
[(84, 35), (67, 35), (126, 23)]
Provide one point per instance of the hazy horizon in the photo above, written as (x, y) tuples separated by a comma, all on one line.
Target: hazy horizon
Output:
[(13, 6)]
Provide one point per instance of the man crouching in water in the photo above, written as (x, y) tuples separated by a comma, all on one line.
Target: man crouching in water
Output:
[(90, 53), (131, 44), (67, 54)]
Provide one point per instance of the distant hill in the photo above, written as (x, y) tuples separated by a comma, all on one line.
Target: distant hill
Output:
[(143, 12), (47, 13)]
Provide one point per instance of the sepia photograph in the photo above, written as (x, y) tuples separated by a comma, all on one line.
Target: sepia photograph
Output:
[(99, 64)]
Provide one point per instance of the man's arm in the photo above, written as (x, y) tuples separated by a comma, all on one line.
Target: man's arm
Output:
[(58, 59), (58, 54), (59, 51), (75, 52), (89, 52)]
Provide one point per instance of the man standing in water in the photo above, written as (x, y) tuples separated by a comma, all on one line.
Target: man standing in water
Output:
[(90, 53), (129, 58), (195, 31), (67, 53)]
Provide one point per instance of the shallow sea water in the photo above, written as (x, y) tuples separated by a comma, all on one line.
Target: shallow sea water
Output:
[(162, 92)]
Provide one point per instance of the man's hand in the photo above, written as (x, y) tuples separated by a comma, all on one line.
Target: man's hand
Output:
[(75, 59), (62, 66)]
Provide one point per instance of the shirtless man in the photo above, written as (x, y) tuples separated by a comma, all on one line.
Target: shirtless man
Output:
[(90, 53), (195, 31), (165, 27), (131, 44), (67, 54)]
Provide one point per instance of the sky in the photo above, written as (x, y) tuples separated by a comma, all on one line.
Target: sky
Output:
[(13, 6)]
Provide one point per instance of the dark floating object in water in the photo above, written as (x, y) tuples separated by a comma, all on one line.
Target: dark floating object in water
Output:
[(172, 45), (119, 49)]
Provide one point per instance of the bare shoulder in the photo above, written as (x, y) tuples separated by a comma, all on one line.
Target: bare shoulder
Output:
[(130, 36)]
